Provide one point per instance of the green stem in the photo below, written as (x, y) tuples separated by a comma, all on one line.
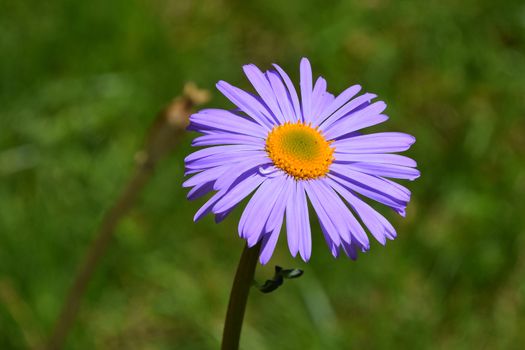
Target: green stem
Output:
[(238, 297)]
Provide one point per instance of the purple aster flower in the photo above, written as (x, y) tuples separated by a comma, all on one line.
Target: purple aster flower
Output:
[(289, 151)]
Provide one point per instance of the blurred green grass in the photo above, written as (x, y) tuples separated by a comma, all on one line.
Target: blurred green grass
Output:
[(80, 83)]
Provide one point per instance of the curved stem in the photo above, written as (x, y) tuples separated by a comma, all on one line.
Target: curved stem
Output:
[(238, 297)]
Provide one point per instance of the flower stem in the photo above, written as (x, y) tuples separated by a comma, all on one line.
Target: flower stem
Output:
[(239, 296)]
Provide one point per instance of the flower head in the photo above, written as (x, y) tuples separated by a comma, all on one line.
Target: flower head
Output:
[(288, 151)]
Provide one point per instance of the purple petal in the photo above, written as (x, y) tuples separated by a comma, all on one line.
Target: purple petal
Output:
[(399, 187), (200, 190), (291, 91), (237, 192), (375, 222), (218, 150), (276, 216), (394, 159), (221, 120), (306, 90), (293, 224), (351, 107), (386, 170), (226, 158), (350, 250), (236, 171), (313, 191), (268, 243), (305, 235), (247, 103), (207, 207), (274, 223), (382, 142), (371, 181), (340, 100), (375, 188), (222, 138), (332, 209), (205, 176), (263, 88), (363, 118), (221, 216), (258, 209), (318, 97), (282, 96), (341, 211), (334, 249)]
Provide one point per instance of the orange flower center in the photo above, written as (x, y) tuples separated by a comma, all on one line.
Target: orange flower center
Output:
[(299, 150)]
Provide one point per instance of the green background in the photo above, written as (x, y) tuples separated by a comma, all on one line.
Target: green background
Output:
[(81, 82)]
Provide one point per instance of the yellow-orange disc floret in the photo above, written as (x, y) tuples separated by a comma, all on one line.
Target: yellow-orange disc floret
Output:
[(300, 150)]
